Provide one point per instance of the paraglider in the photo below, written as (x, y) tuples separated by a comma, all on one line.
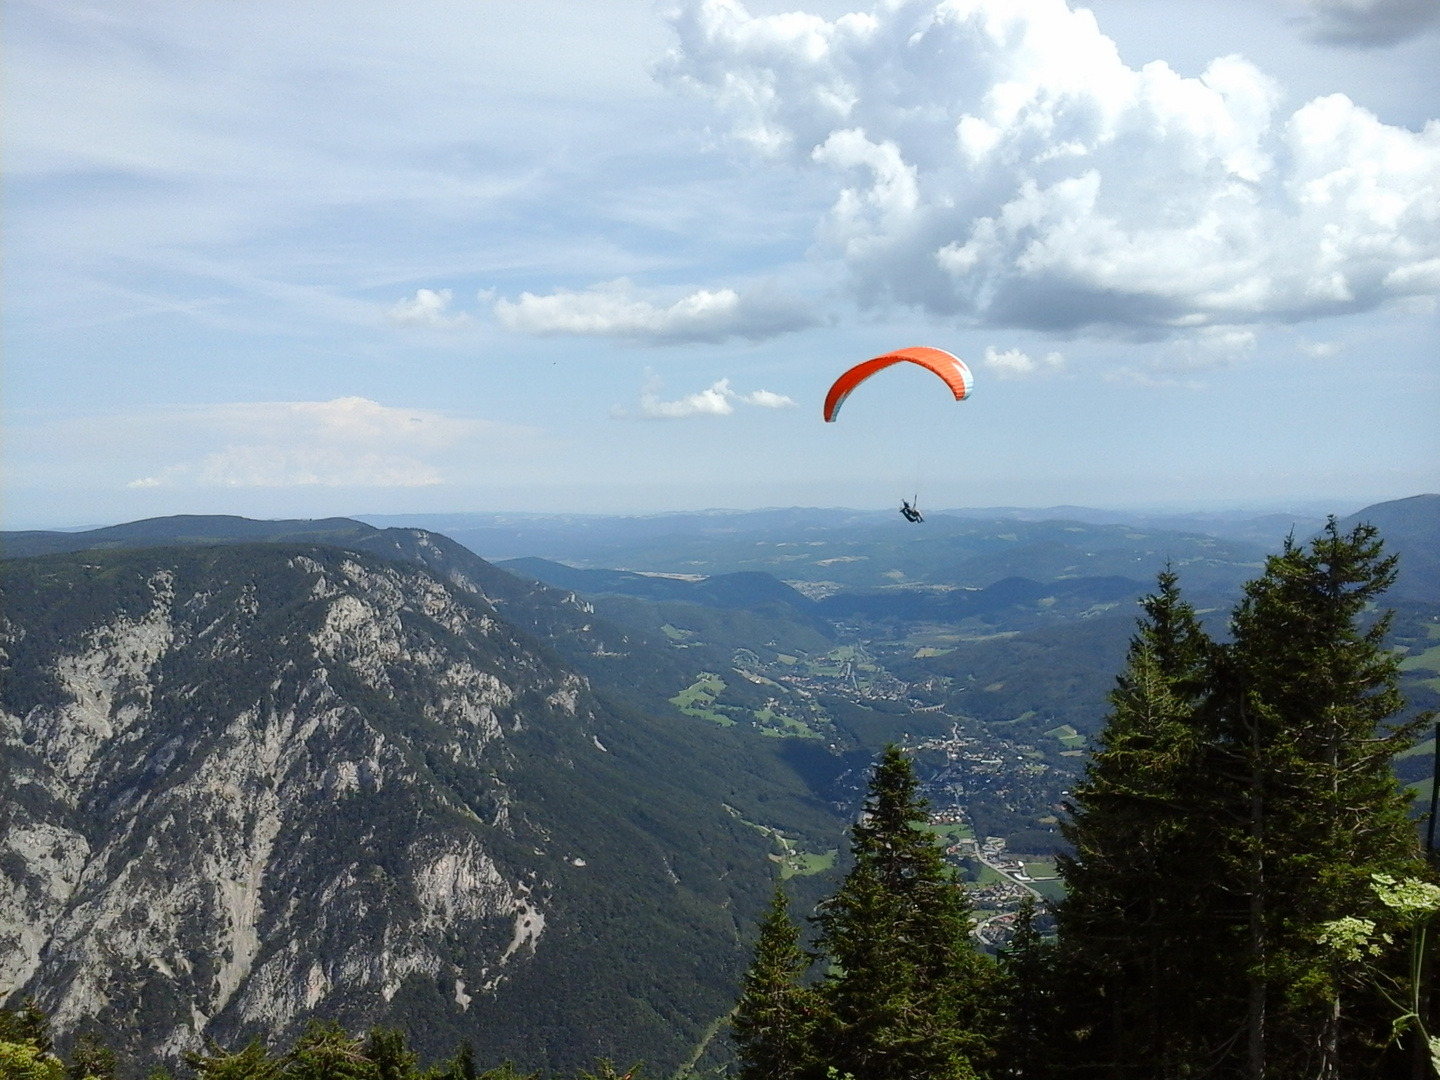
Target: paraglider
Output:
[(949, 367)]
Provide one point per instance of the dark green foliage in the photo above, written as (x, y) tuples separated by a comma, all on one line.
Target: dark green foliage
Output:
[(387, 1052), (604, 1070), (905, 994), (1305, 699), (253, 1062), (1138, 920), (1239, 799), (26, 1024), (774, 1022), (326, 1052), (1028, 985), (90, 1059)]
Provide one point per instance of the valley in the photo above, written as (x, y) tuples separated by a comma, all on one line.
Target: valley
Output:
[(538, 803)]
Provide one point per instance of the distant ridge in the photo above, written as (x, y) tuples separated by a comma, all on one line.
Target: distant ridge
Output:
[(744, 589), (1410, 528), (185, 529)]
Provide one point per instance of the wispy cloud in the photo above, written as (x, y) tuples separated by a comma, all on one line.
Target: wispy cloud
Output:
[(429, 308), (1184, 360), (618, 309), (716, 399), (346, 442), (998, 161), (1321, 350)]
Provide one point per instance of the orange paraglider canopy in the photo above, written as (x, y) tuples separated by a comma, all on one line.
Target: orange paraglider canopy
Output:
[(950, 368)]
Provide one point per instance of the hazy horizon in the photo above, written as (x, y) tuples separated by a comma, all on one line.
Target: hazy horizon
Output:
[(271, 260)]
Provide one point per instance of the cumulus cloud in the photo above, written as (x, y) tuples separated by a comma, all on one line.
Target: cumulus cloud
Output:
[(346, 442), (428, 307), (618, 309), (996, 161), (715, 400), (1014, 364), (1370, 23)]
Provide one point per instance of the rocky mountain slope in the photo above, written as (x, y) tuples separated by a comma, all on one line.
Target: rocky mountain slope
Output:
[(249, 784)]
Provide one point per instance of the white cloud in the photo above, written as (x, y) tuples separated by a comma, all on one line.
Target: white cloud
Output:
[(716, 399), (998, 162), (346, 442), (1320, 350), (428, 308), (618, 309), (767, 400), (1370, 23), (1014, 364)]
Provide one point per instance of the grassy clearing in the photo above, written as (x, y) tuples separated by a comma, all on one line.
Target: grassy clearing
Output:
[(1068, 737), (990, 876), (698, 699), (954, 831), (793, 862), (780, 726), (805, 863), (1429, 660), (1424, 749), (1051, 890)]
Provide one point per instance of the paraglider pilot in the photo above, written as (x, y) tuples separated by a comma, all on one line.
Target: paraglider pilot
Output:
[(910, 513)]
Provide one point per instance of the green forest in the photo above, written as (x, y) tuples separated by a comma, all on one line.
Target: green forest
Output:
[(1247, 894)]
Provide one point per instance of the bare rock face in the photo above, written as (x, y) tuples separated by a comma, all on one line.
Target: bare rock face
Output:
[(248, 785)]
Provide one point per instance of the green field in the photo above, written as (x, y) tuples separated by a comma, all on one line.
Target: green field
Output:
[(805, 863), (1067, 736), (1429, 660), (698, 699), (954, 832), (1051, 890)]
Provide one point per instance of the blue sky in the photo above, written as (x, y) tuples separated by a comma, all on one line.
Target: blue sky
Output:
[(283, 259)]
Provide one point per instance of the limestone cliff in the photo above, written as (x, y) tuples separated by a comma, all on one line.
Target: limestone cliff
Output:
[(249, 784)]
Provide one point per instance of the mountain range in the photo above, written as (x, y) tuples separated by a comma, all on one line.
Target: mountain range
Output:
[(257, 772)]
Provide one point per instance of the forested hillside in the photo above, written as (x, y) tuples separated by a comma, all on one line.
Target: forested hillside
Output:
[(251, 784)]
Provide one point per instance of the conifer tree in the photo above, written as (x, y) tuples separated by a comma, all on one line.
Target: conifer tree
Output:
[(1305, 700), (908, 996), (1239, 801), (90, 1059), (25, 1045), (254, 1062), (1146, 950), (386, 1050), (326, 1052), (774, 1022), (1026, 970)]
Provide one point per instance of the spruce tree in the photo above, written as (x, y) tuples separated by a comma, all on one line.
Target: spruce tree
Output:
[(908, 996), (326, 1052), (1239, 801), (90, 1059), (1026, 972), (254, 1062), (386, 1050), (1148, 956), (774, 1021), (1306, 698)]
